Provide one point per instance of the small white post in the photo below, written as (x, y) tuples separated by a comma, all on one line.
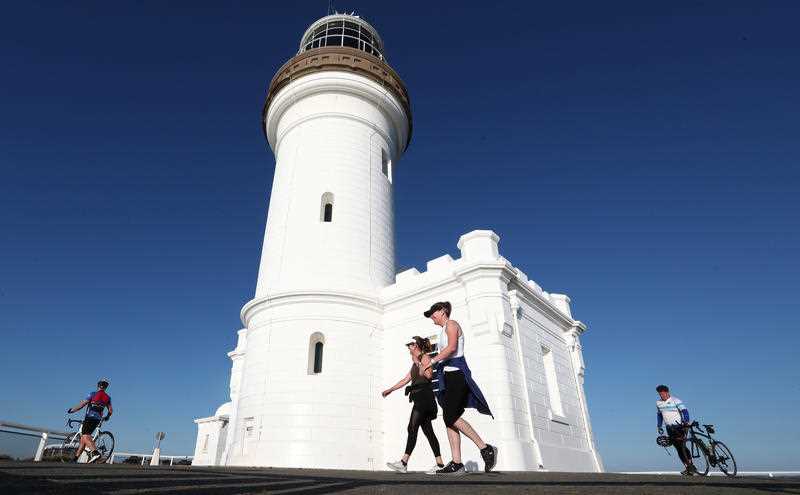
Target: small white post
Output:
[(40, 450), (156, 459), (171, 460)]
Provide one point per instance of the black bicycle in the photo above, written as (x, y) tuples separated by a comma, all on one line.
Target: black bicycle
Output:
[(707, 454)]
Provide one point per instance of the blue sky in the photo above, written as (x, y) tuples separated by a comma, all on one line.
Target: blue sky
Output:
[(643, 159)]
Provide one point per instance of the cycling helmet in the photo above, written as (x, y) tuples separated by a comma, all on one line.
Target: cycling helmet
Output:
[(663, 441), (102, 382)]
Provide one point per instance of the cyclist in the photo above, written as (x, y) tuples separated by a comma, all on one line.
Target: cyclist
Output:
[(673, 413), (95, 403)]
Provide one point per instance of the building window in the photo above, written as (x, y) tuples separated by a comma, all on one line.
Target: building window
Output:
[(386, 165), (316, 346), (552, 382), (248, 433), (205, 444), (343, 33), (318, 357), (326, 208)]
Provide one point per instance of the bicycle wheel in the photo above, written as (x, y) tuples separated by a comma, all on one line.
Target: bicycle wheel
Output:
[(105, 445), (699, 453), (725, 460)]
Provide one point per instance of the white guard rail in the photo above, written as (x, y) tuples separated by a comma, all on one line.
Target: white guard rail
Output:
[(769, 474), (147, 456), (22, 430)]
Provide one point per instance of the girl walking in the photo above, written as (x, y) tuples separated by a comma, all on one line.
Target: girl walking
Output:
[(420, 392)]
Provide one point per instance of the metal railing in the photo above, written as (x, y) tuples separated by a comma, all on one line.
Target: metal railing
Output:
[(769, 474), (148, 456), (22, 430)]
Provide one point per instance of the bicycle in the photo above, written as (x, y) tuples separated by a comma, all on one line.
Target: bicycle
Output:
[(717, 454), (103, 440)]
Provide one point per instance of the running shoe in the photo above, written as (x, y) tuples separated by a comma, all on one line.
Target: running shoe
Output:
[(489, 455), (452, 469), (397, 466), (433, 470)]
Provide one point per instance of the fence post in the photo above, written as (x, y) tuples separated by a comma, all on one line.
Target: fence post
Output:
[(40, 450)]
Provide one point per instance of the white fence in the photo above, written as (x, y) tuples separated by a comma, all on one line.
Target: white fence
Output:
[(43, 434), (31, 431), (769, 474), (148, 456)]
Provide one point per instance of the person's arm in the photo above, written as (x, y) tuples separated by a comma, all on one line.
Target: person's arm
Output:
[(110, 412), (660, 421), (684, 412), (452, 342), (397, 385), (77, 408)]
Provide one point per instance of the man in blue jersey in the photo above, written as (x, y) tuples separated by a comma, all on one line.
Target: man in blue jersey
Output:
[(673, 413), (96, 402)]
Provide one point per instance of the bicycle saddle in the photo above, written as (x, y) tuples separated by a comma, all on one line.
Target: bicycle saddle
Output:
[(709, 428)]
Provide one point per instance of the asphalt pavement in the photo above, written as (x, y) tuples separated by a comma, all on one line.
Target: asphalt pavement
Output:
[(119, 479)]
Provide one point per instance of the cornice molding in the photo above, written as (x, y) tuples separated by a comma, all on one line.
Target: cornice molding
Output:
[(255, 306)]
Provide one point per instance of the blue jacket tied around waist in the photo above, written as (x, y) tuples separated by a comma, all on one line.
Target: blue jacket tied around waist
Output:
[(475, 398)]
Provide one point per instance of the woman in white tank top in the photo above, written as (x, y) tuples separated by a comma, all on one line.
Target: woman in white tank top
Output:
[(459, 391), (459, 347)]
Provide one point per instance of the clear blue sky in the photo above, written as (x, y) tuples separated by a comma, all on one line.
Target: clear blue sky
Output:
[(643, 159)]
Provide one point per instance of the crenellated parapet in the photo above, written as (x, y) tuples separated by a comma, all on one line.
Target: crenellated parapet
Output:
[(480, 254)]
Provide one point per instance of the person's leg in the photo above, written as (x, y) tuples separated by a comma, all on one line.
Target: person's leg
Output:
[(678, 438), (427, 429), (683, 453), (467, 429), (454, 438), (414, 422), (455, 400), (81, 446)]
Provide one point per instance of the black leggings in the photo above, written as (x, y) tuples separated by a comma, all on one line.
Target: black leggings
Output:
[(421, 418), (678, 436)]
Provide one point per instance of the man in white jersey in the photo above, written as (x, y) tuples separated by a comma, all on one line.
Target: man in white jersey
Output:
[(673, 413)]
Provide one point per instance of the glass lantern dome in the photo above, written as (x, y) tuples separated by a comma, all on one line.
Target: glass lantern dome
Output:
[(343, 30)]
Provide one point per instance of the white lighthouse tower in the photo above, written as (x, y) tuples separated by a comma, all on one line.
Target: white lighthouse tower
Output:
[(338, 119)]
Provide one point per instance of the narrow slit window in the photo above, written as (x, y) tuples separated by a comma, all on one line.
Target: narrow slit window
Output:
[(386, 165), (316, 347), (552, 382), (318, 357), (328, 212), (326, 208)]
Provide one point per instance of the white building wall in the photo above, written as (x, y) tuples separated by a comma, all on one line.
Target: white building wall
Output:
[(329, 136), (477, 285), (287, 417), (563, 439)]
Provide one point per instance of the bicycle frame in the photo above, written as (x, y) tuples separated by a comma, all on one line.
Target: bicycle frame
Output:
[(695, 432)]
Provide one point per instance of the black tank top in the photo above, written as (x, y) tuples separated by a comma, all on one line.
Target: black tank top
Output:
[(417, 378)]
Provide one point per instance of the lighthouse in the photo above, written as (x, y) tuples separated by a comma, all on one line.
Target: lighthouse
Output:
[(337, 118), (326, 329)]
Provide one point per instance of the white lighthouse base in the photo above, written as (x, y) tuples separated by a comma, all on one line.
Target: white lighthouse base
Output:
[(522, 345)]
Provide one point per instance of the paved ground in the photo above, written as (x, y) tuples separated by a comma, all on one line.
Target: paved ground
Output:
[(48, 478)]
